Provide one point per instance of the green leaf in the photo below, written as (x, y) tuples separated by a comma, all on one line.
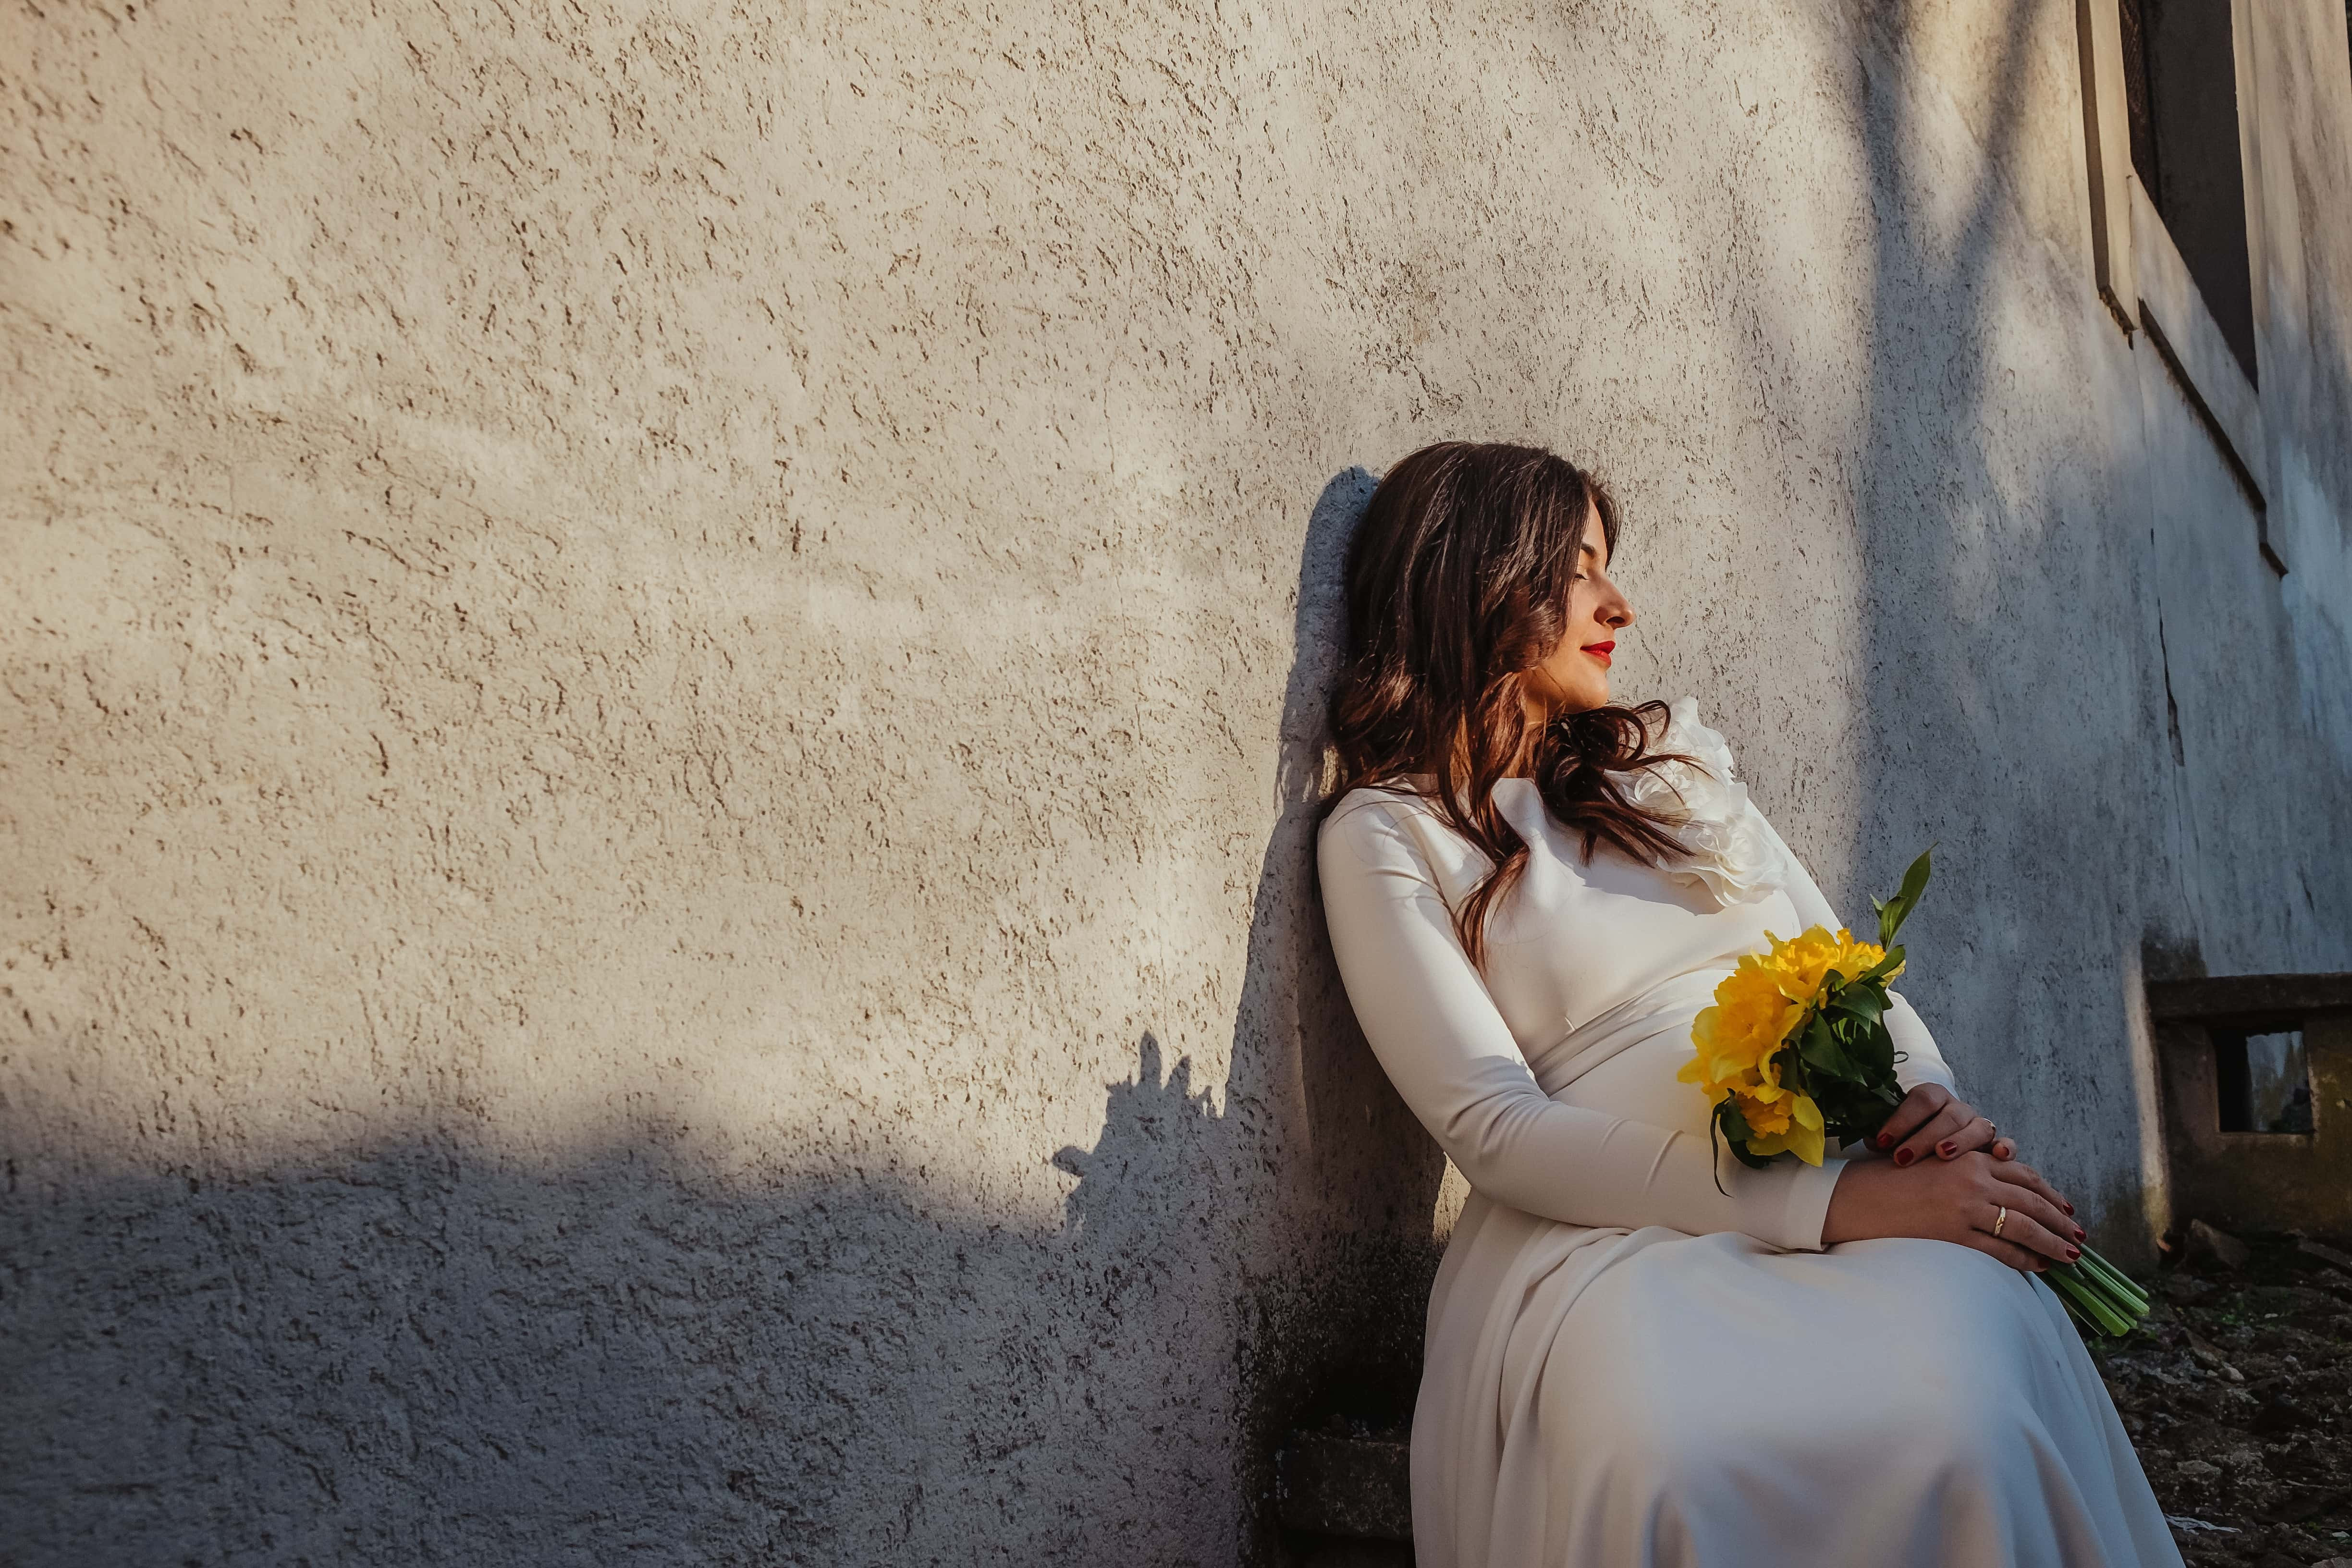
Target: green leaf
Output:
[(1736, 1132), (1896, 910), (1788, 1064), (1821, 1050), (1875, 976), (1863, 1000), (1873, 1055)]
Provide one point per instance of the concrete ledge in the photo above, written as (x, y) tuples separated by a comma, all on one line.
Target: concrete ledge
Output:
[(1356, 1487), (2248, 1001)]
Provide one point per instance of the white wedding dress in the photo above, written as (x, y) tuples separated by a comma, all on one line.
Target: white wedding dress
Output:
[(1626, 1366)]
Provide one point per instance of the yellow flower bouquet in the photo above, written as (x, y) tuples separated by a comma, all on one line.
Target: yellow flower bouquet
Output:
[(1796, 1052)]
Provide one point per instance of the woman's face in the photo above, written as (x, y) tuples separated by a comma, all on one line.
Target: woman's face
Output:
[(1575, 675)]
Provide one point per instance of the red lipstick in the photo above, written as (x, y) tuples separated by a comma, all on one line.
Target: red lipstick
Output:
[(1601, 650)]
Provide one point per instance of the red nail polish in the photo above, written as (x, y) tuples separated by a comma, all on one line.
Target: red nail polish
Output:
[(1945, 1148), (1885, 1140), (2072, 1253), (2082, 1234), (1903, 1157), (2069, 1208)]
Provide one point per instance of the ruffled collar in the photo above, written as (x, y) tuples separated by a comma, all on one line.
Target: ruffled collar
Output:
[(1726, 846), (1722, 844)]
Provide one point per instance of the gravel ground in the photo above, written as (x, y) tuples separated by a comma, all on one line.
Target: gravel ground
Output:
[(2238, 1391)]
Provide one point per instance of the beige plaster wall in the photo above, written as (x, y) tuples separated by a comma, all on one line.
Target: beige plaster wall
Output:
[(661, 662)]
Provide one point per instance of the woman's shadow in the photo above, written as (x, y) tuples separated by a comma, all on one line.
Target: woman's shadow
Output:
[(1309, 1197), (1362, 1164)]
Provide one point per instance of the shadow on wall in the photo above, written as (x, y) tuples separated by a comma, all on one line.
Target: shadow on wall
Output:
[(1968, 530), (1352, 1152), (429, 1351), (1330, 1267)]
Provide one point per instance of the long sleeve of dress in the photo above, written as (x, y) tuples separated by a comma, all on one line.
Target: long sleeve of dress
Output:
[(1451, 1055), (1920, 1062)]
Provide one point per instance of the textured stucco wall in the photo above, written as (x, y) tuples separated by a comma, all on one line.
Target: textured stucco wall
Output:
[(660, 673)]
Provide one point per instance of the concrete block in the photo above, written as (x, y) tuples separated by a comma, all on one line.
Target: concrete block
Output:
[(2271, 1180)]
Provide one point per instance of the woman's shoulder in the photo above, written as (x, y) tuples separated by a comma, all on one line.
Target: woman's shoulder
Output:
[(1374, 808), (1377, 822), (1395, 828)]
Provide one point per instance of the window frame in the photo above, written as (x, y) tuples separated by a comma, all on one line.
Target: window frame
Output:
[(2139, 271)]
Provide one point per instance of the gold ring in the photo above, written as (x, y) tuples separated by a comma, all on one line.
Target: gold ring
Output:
[(1999, 1220)]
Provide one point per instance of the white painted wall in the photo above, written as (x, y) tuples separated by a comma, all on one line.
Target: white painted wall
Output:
[(661, 664)]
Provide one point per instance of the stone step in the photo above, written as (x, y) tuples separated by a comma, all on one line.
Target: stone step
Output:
[(1356, 1488)]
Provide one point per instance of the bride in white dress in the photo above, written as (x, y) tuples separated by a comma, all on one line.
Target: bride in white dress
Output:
[(1639, 1350)]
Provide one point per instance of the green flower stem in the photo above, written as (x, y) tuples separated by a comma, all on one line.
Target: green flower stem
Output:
[(2067, 1279), (2117, 1280), (2103, 1316), (2076, 1311), (2088, 1296), (2122, 1307), (2117, 1291), (2132, 1285), (2128, 1304)]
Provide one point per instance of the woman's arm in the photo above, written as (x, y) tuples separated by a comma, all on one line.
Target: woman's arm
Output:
[(1436, 1031), (1960, 1200)]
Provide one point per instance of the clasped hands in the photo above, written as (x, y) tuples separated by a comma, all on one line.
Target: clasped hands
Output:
[(1941, 1171)]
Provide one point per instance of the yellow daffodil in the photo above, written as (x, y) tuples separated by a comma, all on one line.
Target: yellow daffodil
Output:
[(1800, 1131), (1757, 1007)]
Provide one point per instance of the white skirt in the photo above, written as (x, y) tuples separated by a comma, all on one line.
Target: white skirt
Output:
[(1600, 1398)]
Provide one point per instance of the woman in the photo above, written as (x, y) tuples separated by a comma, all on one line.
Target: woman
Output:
[(1640, 1351)]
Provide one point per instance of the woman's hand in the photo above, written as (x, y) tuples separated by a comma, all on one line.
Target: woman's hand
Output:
[(1933, 1117), (1964, 1199)]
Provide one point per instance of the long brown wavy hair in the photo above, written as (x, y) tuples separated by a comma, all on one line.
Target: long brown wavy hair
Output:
[(1458, 581)]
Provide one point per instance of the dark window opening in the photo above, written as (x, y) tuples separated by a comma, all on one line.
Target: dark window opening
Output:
[(2263, 1082), (2143, 129), (2181, 97)]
